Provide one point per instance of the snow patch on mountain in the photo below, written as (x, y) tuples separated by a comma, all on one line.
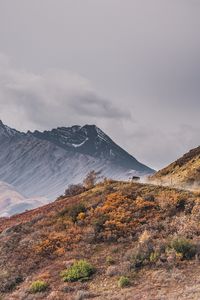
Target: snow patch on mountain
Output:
[(43, 164), (81, 144)]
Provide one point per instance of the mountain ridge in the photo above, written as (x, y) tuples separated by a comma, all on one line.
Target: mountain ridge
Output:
[(184, 172), (44, 163), (89, 140)]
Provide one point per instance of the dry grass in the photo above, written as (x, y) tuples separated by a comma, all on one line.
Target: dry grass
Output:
[(183, 173), (131, 223)]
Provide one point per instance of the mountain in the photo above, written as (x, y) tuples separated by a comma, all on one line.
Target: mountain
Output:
[(7, 132), (118, 240), (92, 141), (8, 196), (44, 163), (184, 172), (12, 202)]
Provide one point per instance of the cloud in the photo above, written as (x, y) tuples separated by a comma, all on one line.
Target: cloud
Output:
[(141, 56), (30, 101), (162, 146), (55, 97)]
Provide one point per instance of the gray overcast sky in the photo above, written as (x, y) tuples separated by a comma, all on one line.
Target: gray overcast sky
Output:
[(130, 66)]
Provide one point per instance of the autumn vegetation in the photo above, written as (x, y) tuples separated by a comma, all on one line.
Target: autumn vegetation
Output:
[(183, 173), (102, 240)]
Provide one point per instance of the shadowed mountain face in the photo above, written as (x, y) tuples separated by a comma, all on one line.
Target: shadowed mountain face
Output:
[(184, 172), (44, 163), (92, 141)]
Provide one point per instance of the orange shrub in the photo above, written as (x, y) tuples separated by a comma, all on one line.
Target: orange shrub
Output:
[(51, 244)]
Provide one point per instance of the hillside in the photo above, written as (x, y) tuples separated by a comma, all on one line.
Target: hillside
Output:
[(147, 234), (184, 172), (43, 164)]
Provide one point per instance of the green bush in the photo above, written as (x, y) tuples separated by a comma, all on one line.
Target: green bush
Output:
[(80, 270), (184, 247), (123, 282), (38, 286)]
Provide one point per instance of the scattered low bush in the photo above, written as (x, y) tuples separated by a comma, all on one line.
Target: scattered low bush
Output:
[(10, 284), (90, 179), (139, 259), (180, 205), (154, 256), (82, 294), (184, 247), (99, 223), (80, 270), (38, 286), (75, 210), (110, 260), (113, 271), (142, 255), (52, 244), (74, 190), (81, 216), (145, 238), (149, 198), (123, 282)]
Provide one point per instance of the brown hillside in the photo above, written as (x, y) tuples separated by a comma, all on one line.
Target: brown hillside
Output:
[(184, 172), (147, 234)]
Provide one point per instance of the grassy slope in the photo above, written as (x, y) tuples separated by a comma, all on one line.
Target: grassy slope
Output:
[(183, 172), (41, 243)]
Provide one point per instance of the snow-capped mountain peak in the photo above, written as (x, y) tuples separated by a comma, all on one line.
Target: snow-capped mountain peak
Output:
[(91, 140), (44, 163)]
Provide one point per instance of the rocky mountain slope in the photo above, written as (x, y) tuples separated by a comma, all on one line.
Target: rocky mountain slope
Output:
[(116, 240), (44, 163), (92, 141), (184, 172)]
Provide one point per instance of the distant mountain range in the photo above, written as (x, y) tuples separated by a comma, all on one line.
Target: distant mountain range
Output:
[(44, 163), (12, 202), (184, 172)]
